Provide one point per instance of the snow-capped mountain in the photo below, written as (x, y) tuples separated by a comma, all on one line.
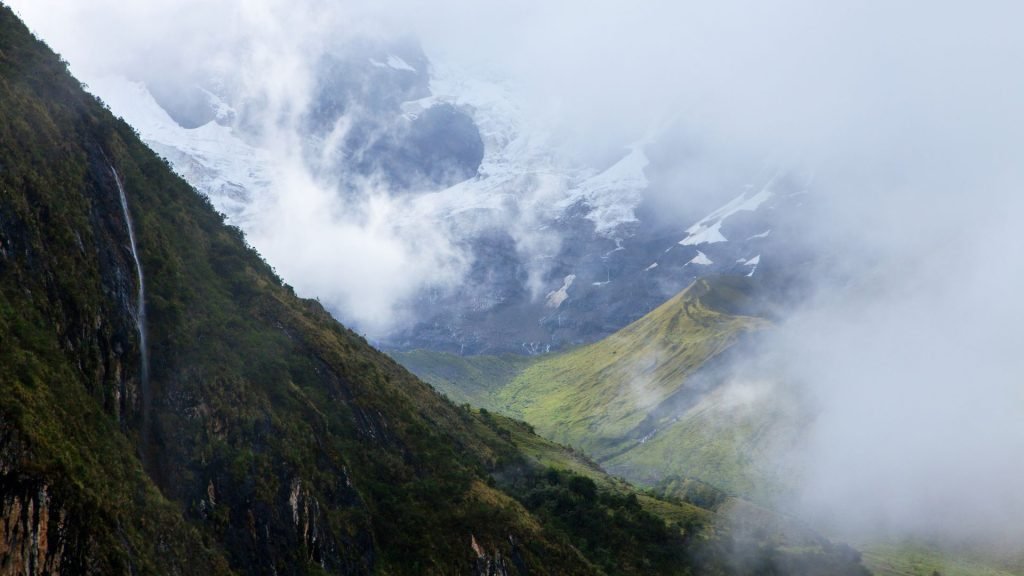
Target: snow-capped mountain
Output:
[(550, 251), (212, 157)]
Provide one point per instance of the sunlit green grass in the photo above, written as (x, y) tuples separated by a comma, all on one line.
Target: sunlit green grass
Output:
[(920, 560)]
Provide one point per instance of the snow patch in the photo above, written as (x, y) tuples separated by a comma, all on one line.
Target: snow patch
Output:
[(613, 194), (708, 230), (700, 234), (761, 235), (701, 259), (523, 169), (651, 267), (754, 263), (393, 62), (556, 297)]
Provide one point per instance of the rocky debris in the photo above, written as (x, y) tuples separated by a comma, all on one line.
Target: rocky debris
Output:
[(486, 564)]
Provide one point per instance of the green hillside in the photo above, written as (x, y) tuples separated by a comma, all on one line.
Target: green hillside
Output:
[(917, 559), (465, 379), (734, 437), (647, 402), (595, 396)]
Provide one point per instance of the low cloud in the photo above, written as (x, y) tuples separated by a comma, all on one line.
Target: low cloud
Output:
[(365, 258)]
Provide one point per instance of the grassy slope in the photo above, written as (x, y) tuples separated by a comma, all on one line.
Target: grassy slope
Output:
[(546, 454), (593, 396), (465, 379), (734, 446), (604, 398), (921, 560)]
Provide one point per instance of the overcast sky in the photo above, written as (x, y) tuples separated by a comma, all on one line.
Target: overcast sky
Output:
[(909, 114)]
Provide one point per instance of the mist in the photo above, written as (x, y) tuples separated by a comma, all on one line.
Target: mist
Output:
[(909, 117)]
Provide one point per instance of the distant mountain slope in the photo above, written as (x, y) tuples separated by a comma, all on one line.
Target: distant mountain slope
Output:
[(213, 423), (595, 395), (654, 400)]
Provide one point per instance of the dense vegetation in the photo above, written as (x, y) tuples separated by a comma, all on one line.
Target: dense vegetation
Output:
[(603, 522)]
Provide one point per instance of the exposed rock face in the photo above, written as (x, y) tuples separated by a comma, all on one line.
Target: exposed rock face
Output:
[(39, 533), (495, 563), (356, 128), (26, 540), (614, 280), (33, 528)]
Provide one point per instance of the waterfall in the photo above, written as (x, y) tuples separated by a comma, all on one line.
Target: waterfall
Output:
[(140, 310)]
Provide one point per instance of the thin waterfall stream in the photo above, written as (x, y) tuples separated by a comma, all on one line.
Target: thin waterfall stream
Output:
[(140, 313)]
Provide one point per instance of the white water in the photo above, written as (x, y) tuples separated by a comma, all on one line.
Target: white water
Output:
[(140, 308)]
